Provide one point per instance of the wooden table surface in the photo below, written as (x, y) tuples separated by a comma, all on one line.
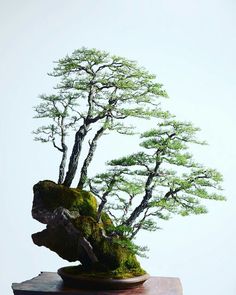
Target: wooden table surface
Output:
[(49, 283)]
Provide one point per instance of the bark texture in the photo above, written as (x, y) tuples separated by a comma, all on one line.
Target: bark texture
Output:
[(89, 157), (74, 158)]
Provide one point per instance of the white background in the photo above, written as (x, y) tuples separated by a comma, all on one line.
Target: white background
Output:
[(191, 47)]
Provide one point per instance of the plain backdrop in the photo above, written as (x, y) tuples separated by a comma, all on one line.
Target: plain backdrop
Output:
[(190, 46)]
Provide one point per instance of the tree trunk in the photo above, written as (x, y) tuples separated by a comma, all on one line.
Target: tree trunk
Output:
[(62, 165), (74, 158), (139, 209), (148, 194), (87, 161)]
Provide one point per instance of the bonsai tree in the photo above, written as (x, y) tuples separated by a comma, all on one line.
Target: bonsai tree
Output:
[(96, 222)]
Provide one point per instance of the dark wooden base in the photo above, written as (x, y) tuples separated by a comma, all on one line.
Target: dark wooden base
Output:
[(49, 283)]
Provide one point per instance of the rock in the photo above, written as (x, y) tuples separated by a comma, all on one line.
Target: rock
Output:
[(74, 233)]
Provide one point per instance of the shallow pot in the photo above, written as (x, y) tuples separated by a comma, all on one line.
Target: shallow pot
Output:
[(86, 282)]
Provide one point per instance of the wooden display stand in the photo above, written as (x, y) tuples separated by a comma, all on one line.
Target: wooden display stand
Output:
[(49, 283)]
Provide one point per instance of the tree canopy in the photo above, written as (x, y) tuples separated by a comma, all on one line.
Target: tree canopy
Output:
[(97, 93), (160, 180)]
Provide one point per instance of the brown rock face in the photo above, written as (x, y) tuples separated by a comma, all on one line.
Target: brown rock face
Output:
[(74, 233)]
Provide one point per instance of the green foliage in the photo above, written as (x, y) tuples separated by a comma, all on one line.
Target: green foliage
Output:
[(114, 83), (61, 110), (132, 247), (95, 90), (160, 180), (132, 160)]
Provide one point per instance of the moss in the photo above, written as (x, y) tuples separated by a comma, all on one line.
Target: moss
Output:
[(96, 273), (106, 220), (112, 256), (54, 195), (87, 226), (115, 260), (130, 267), (115, 257)]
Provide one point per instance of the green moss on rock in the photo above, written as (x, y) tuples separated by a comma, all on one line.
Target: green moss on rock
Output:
[(106, 220), (54, 195), (96, 273), (114, 259)]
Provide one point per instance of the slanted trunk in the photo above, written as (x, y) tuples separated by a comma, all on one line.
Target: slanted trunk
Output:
[(73, 164), (87, 161), (139, 209), (62, 164), (148, 195)]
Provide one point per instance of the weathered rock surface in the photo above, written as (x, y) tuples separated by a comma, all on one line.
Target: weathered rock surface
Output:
[(73, 231)]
